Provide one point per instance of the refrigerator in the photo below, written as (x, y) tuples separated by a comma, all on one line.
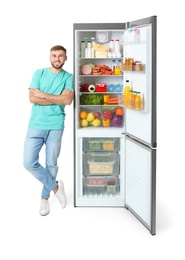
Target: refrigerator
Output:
[(115, 133)]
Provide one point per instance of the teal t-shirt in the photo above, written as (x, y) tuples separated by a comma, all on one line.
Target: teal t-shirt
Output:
[(49, 117)]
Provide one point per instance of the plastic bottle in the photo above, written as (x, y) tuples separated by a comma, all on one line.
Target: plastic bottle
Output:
[(142, 102), (117, 46), (92, 46), (89, 49), (126, 93), (113, 65), (83, 49), (130, 99), (138, 101), (111, 46), (120, 64), (134, 94), (92, 41)]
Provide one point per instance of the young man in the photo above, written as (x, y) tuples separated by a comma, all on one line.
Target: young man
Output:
[(50, 90)]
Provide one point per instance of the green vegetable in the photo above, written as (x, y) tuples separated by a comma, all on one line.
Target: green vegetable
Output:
[(91, 99)]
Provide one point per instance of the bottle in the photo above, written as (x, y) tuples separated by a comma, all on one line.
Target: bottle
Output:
[(111, 46), (82, 49), (142, 102), (117, 46), (92, 46), (113, 65), (130, 99), (89, 49), (126, 93), (92, 41), (120, 64), (134, 94), (138, 101), (85, 39)]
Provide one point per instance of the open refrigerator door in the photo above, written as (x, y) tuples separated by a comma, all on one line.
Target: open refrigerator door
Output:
[(140, 117)]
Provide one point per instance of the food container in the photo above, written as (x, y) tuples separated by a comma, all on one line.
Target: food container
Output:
[(108, 145), (101, 87), (100, 168), (94, 186), (112, 185), (94, 145), (101, 163)]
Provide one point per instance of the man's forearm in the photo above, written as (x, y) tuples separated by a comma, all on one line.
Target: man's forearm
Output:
[(62, 99), (40, 101), (41, 98)]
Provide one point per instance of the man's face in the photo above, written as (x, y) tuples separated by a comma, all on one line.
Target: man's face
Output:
[(57, 59)]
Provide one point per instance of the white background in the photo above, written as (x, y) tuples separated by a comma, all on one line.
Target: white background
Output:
[(27, 31)]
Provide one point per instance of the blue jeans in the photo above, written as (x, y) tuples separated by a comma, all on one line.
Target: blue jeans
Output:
[(34, 141)]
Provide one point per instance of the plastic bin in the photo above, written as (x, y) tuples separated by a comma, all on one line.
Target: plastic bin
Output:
[(101, 163)]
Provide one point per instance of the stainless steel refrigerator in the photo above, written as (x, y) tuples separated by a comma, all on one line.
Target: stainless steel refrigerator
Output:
[(115, 133)]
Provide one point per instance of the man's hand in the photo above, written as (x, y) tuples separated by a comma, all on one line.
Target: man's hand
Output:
[(67, 92), (36, 93)]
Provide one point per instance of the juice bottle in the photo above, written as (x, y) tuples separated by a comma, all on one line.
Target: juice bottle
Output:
[(126, 93), (143, 102), (138, 101), (130, 98), (134, 94)]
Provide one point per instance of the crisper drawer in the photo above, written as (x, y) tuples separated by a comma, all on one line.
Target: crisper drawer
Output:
[(101, 144), (101, 186), (101, 163)]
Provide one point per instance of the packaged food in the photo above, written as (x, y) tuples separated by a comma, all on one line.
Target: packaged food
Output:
[(94, 145), (108, 145), (101, 167), (101, 87)]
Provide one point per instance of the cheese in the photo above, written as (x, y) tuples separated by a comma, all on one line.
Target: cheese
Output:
[(100, 47)]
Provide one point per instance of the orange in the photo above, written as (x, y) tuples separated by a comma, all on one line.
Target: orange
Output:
[(83, 114)]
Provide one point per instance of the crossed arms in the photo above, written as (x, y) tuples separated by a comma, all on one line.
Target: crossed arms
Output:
[(38, 97)]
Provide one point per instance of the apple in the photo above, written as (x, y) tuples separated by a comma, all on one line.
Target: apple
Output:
[(97, 114), (107, 114)]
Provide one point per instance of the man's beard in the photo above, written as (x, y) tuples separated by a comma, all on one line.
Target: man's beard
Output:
[(57, 67)]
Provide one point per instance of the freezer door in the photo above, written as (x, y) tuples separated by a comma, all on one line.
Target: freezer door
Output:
[(141, 124), (140, 183)]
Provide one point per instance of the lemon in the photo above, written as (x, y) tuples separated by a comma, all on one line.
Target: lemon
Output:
[(84, 122), (90, 117), (96, 122)]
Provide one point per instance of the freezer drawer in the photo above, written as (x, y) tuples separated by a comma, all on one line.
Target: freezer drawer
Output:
[(101, 163), (101, 144), (101, 186)]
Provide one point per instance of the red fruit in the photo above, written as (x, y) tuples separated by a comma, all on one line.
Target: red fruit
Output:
[(107, 114), (97, 114)]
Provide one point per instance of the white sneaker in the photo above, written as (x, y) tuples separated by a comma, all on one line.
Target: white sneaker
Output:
[(44, 207), (61, 194)]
